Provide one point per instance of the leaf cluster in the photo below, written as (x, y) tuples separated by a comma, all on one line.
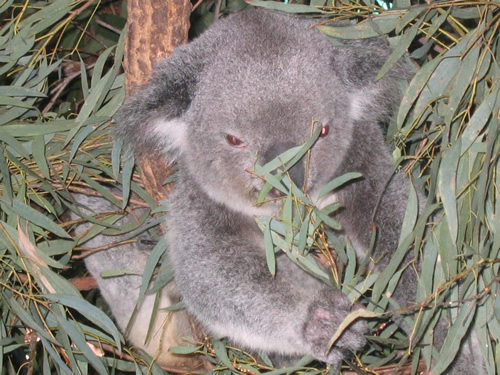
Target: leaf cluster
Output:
[(60, 84)]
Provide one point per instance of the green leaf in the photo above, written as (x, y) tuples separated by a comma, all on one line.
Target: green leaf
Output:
[(20, 91), (438, 22), (348, 320), (268, 244), (461, 83), (81, 135), (431, 81), (55, 356), (40, 157), (415, 88), (447, 187), (19, 46), (324, 215), (338, 182), (94, 314), (56, 247), (350, 270), (6, 5), (77, 337), (46, 12), (479, 119), (7, 101), (116, 154), (453, 341), (149, 269), (411, 214), (303, 234), (127, 172), (400, 49), (286, 220), (370, 28), (14, 143), (30, 130), (290, 157), (410, 15), (89, 106), (59, 283), (6, 179), (289, 8), (184, 349), (33, 216), (221, 352), (22, 313), (99, 66)]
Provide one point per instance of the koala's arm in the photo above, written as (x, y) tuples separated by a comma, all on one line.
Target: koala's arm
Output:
[(222, 275)]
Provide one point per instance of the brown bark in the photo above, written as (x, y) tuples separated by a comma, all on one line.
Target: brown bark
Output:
[(154, 29)]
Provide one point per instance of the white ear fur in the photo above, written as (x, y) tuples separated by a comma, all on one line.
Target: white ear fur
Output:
[(172, 134), (360, 103)]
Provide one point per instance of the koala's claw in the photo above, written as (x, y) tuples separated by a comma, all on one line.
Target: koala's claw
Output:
[(322, 324)]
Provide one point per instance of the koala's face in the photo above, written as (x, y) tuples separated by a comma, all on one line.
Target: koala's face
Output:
[(234, 124)]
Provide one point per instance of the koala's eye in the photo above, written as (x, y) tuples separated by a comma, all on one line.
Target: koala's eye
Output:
[(234, 141), (324, 131)]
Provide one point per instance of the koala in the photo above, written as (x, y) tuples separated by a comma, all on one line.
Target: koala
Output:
[(246, 90)]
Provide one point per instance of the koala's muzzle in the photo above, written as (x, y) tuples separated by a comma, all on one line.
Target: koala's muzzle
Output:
[(297, 172)]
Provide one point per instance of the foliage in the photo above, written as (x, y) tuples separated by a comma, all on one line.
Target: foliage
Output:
[(61, 82)]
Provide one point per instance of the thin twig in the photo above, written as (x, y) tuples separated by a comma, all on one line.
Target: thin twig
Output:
[(108, 26), (217, 10), (89, 251), (78, 11)]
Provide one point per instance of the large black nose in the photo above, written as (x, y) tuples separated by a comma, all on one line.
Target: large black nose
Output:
[(297, 172)]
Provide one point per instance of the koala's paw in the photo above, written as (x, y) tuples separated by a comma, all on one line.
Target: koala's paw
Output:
[(323, 320)]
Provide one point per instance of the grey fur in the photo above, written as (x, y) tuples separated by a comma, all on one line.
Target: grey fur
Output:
[(262, 77)]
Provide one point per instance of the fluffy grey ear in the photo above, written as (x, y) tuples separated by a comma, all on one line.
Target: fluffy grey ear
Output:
[(357, 63), (150, 120)]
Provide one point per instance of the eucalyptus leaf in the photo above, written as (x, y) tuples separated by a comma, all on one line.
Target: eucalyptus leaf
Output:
[(447, 187), (33, 216), (400, 49), (184, 349), (289, 8), (91, 312), (373, 27), (220, 351)]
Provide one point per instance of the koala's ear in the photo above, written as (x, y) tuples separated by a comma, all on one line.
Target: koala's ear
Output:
[(150, 120), (357, 64)]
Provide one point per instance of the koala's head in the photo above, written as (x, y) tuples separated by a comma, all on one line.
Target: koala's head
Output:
[(251, 87)]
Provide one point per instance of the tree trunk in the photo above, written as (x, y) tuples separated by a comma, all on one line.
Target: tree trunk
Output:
[(154, 29)]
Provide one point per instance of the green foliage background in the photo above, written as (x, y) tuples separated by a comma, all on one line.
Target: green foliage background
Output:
[(60, 84)]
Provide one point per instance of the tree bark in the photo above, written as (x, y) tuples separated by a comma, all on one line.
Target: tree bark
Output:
[(154, 29)]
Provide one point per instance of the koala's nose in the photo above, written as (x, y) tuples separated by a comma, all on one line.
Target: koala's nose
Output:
[(297, 172)]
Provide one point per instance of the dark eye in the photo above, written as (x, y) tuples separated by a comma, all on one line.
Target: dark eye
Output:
[(234, 141), (324, 131)]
